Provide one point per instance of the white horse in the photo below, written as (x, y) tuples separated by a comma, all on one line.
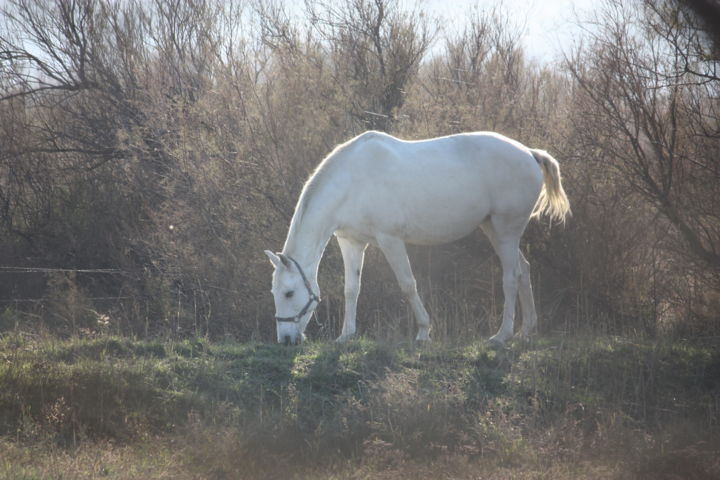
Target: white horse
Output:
[(380, 190)]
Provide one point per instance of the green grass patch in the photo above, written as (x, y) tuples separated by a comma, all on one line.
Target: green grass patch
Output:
[(322, 403)]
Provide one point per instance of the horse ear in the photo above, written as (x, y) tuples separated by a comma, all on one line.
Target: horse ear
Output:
[(274, 259), (284, 259)]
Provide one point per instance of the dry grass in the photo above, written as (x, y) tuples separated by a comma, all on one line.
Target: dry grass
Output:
[(163, 458), (141, 461), (558, 408)]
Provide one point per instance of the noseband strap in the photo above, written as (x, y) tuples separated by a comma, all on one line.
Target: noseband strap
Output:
[(313, 297)]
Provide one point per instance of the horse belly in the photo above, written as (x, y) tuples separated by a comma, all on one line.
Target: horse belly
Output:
[(443, 219), (428, 217)]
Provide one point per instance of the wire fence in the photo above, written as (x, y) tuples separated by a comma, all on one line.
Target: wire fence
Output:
[(112, 271), (13, 270)]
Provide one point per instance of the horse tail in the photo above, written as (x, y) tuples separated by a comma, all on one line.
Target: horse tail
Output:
[(552, 200)]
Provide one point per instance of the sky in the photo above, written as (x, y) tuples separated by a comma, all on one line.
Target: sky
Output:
[(549, 25)]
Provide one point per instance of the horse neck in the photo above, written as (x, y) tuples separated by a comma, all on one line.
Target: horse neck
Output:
[(310, 231)]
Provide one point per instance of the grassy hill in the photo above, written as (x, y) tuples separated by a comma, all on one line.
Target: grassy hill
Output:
[(558, 407)]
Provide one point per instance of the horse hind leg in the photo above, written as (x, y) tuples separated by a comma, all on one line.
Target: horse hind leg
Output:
[(516, 277), (396, 254), (527, 303), (508, 253)]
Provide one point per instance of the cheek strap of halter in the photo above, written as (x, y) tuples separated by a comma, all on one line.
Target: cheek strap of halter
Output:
[(313, 297)]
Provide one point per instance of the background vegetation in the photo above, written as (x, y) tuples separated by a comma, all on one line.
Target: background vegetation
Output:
[(150, 150)]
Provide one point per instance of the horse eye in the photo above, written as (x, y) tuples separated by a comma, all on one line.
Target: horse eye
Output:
[(289, 294)]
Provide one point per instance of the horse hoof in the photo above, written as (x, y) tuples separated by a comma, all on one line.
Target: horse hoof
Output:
[(497, 341), (423, 338)]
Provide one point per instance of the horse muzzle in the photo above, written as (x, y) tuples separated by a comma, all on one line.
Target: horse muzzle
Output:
[(288, 333)]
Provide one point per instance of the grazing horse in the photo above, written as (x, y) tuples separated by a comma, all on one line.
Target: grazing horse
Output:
[(380, 190)]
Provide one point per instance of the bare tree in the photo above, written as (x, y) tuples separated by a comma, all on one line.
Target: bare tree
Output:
[(481, 75), (655, 100), (377, 49)]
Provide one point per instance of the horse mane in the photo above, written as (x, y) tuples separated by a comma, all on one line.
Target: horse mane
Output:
[(327, 167), (318, 179)]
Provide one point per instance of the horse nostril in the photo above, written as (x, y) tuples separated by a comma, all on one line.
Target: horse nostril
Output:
[(286, 340)]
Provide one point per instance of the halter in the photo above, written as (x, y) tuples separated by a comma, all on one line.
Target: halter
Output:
[(313, 297)]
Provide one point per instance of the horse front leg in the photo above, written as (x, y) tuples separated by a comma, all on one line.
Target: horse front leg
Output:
[(396, 254), (353, 253)]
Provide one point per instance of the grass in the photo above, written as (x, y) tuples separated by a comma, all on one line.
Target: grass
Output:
[(559, 407)]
